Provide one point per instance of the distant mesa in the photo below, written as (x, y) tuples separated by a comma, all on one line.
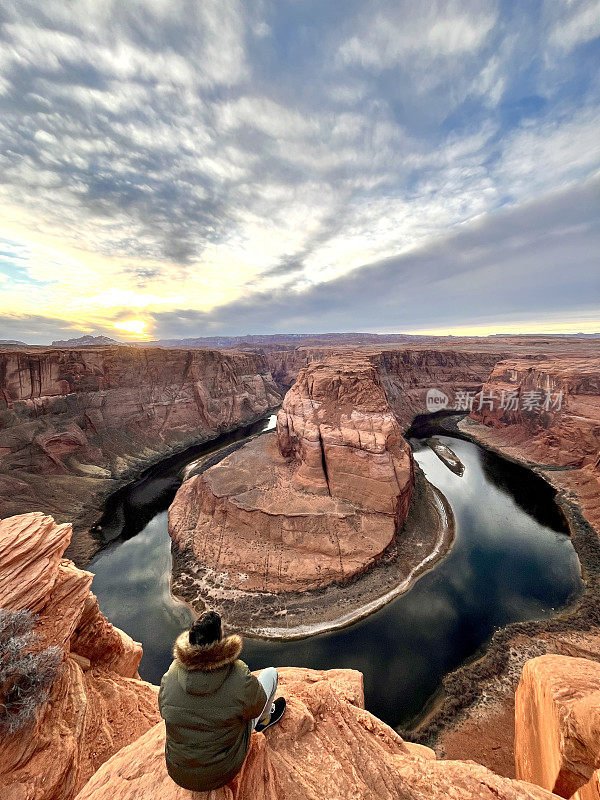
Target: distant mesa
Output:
[(15, 342), (85, 341), (284, 339)]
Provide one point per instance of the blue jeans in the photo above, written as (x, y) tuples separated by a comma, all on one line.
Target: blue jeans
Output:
[(268, 679)]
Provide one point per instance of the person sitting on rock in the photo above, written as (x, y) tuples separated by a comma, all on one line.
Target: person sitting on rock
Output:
[(211, 703)]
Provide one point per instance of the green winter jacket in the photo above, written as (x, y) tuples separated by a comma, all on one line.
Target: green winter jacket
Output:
[(208, 699)]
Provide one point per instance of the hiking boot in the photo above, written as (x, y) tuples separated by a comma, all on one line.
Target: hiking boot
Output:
[(276, 714)]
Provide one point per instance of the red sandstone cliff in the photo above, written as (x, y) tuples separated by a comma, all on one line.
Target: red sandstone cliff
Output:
[(557, 723), (547, 412), (317, 502), (524, 416), (100, 723), (468, 353), (74, 423), (327, 747), (97, 704), (405, 373)]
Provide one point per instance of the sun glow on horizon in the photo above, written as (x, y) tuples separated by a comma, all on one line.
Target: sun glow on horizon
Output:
[(137, 327)]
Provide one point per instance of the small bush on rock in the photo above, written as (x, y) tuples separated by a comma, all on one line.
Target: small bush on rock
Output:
[(25, 676)]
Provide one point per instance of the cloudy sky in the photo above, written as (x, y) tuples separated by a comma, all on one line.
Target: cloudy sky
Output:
[(181, 168)]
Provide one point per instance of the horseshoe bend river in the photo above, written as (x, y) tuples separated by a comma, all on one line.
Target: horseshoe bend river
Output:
[(511, 560)]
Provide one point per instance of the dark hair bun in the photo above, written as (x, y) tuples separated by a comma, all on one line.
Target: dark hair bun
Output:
[(206, 629)]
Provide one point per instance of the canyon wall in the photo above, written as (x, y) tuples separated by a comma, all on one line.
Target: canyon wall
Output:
[(547, 413), (464, 358), (543, 412), (406, 372), (96, 704), (317, 502), (75, 423), (407, 375)]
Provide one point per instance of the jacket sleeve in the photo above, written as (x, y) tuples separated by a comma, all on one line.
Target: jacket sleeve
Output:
[(255, 697)]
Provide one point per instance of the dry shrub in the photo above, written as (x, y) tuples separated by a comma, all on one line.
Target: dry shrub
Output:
[(25, 676)]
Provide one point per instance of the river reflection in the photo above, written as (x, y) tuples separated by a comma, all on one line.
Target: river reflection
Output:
[(511, 561)]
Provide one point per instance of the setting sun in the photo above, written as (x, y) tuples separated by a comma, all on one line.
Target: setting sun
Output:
[(135, 326)]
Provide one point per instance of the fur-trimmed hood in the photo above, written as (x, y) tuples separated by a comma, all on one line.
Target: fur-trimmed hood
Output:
[(207, 658)]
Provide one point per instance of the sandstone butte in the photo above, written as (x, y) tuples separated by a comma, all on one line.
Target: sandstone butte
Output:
[(75, 423), (557, 724), (561, 438), (316, 502), (97, 704)]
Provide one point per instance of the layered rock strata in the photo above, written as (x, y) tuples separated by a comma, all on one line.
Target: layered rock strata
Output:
[(547, 413), (325, 747), (286, 360), (316, 502), (75, 423), (406, 373), (97, 704), (543, 412), (557, 724)]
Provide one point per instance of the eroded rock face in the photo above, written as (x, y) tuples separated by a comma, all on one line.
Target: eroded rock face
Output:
[(550, 416), (327, 747), (557, 725), (406, 373), (97, 704), (562, 444), (337, 425), (74, 423), (317, 502)]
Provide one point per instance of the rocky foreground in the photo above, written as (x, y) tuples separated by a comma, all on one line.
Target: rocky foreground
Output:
[(98, 735), (327, 747), (316, 502), (97, 704), (75, 424)]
